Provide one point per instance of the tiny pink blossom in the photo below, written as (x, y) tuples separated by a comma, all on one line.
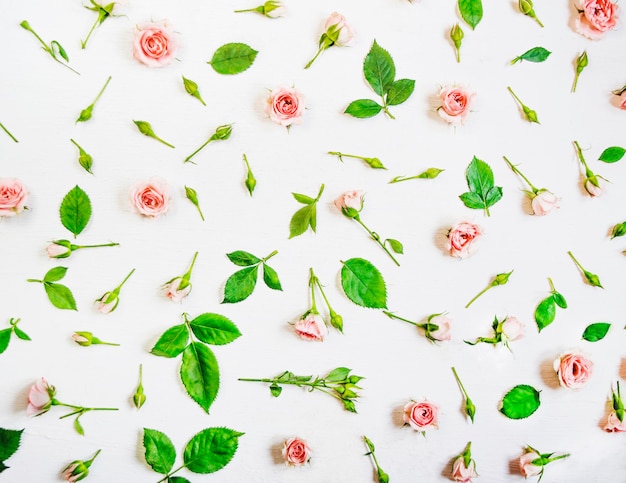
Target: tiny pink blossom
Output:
[(462, 473), (525, 464), (544, 202), (456, 102), (311, 327), (512, 329), (40, 398), (13, 197), (596, 17), (622, 100), (105, 307), (345, 31), (573, 369), (285, 106), (593, 190), (55, 250), (350, 200), (155, 44), (421, 415), (174, 293), (614, 425), (443, 331), (296, 452), (461, 238), (151, 198)]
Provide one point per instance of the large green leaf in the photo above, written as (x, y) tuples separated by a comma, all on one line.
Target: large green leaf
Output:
[(301, 220), (545, 313), (363, 108), (471, 11), (9, 444), (172, 342), (536, 54), (160, 452), (243, 259), (520, 402), (55, 274), (5, 337), (75, 210), (240, 285), (483, 193), (363, 283), (400, 91), (612, 154), (233, 58), (214, 329), (596, 332), (200, 374), (270, 277), (379, 69), (211, 449), (60, 296)]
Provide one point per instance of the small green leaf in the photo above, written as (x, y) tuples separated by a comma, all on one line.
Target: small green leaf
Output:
[(304, 199), (612, 154), (243, 259), (214, 329), (233, 58), (21, 334), (57, 47), (338, 374), (200, 374), (300, 220), (55, 274), (596, 332), (75, 210), (379, 69), (430, 173), (471, 11), (400, 91), (363, 108), (545, 313), (363, 284), (395, 245), (60, 296), (5, 337), (9, 444), (472, 200), (240, 285), (536, 54), (559, 300), (275, 389), (211, 450), (172, 342), (270, 277), (178, 479), (520, 402), (79, 427), (159, 451)]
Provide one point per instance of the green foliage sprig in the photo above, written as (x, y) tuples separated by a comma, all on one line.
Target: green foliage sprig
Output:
[(9, 444), (59, 295), (5, 334), (305, 216), (240, 284), (53, 49), (546, 310)]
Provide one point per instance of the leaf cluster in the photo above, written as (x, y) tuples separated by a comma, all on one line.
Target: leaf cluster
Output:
[(546, 310), (483, 193), (240, 284), (59, 295), (5, 334), (305, 216)]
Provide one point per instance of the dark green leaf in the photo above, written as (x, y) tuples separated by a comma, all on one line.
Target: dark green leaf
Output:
[(536, 54), (9, 444), (313, 219), (275, 389), (178, 479), (3, 467), (338, 374), (379, 69), (55, 274), (395, 245), (75, 210), (214, 329), (160, 452), (211, 450), (400, 91), (612, 154), (300, 221), (5, 337), (471, 11), (520, 402), (172, 342), (60, 296), (363, 284), (545, 313), (200, 374), (243, 259), (559, 300), (596, 332), (304, 199), (21, 334), (233, 58), (472, 200), (494, 195), (240, 285), (79, 427), (363, 108), (270, 277)]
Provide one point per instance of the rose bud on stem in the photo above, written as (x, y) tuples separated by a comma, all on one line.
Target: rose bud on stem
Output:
[(192, 89), (64, 248), (526, 7), (504, 331), (86, 339), (532, 462), (86, 113), (470, 408), (104, 12), (499, 279), (430, 173), (436, 328), (222, 133), (179, 287), (139, 398), (51, 49), (9, 134), (271, 9), (337, 32), (582, 61), (372, 162), (615, 420), (78, 470), (593, 184), (380, 474), (109, 301), (84, 159), (250, 179), (542, 201), (145, 128), (529, 114), (335, 319), (192, 196), (592, 278), (464, 467), (456, 35)]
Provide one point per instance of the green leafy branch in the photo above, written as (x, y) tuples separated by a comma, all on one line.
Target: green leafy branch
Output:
[(59, 295), (86, 113), (5, 334), (546, 310), (305, 216), (483, 193), (240, 284), (53, 49), (104, 12), (380, 474)]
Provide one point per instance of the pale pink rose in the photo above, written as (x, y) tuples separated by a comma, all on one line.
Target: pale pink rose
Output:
[(596, 18), (462, 473), (421, 415), (68, 473), (614, 425), (456, 102), (154, 44), (594, 190), (285, 106), (512, 329), (544, 203), (461, 237), (151, 198), (40, 398), (442, 333), (172, 291), (573, 369), (57, 251), (622, 100), (526, 468), (350, 200), (345, 31), (13, 196), (311, 327), (296, 452), (105, 307)]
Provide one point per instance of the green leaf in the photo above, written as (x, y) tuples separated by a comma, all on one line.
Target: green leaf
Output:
[(536, 54), (430, 173), (596, 332), (270, 277), (471, 11), (480, 182), (520, 402), (275, 389), (400, 91), (233, 58), (60, 296), (172, 342), (5, 337), (200, 374), (363, 284), (363, 108), (559, 300), (20, 333), (160, 452), (301, 220), (214, 329), (545, 313), (395, 245), (9, 444), (304, 199), (211, 450), (313, 219), (612, 154), (379, 69), (338, 374), (178, 479), (243, 259), (79, 427), (240, 285), (57, 47), (494, 195), (472, 200), (55, 274), (75, 210)]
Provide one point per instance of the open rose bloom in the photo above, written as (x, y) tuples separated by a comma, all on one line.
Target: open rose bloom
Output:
[(13, 197), (595, 18), (40, 398), (296, 452), (462, 473), (443, 330), (525, 464), (173, 292), (456, 102), (461, 238), (421, 415), (573, 369), (544, 202), (311, 327), (350, 203), (151, 198), (285, 106), (155, 44)]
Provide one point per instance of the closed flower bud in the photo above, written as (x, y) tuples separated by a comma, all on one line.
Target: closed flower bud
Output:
[(223, 132), (59, 249), (595, 186), (525, 6), (84, 339), (139, 398), (107, 303), (273, 9), (78, 470)]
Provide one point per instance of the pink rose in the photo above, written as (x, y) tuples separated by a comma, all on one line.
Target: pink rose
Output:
[(285, 106), (594, 190), (350, 203), (622, 100), (55, 250), (296, 452), (614, 425), (107, 303), (344, 31), (461, 238), (463, 473), (596, 18), (174, 293), (544, 202), (13, 196), (40, 398), (512, 329), (151, 198), (573, 369), (421, 415), (154, 44), (443, 330), (455, 104), (311, 327), (525, 464)]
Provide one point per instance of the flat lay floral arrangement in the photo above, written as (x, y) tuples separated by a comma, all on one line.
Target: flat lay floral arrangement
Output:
[(245, 206)]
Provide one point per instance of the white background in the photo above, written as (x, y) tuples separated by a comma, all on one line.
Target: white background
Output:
[(39, 102)]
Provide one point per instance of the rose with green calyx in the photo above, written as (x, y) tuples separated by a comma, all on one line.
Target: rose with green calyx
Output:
[(532, 462), (336, 32), (85, 339), (464, 467), (109, 301), (615, 421), (104, 11), (594, 184), (503, 332), (64, 248), (177, 288), (311, 325), (542, 200), (436, 328), (78, 469), (499, 279)]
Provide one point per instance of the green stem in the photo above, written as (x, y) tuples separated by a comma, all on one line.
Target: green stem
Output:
[(576, 261), (97, 341), (376, 238), (102, 90), (515, 97), (397, 179), (90, 460), (163, 141), (312, 279), (551, 285), (478, 295), (517, 171), (321, 49), (119, 287), (76, 247), (581, 158), (386, 110), (83, 43), (458, 380), (397, 317), (269, 256), (560, 457), (193, 261), (319, 285), (257, 9), (34, 280), (341, 155), (167, 477), (7, 131), (188, 158)]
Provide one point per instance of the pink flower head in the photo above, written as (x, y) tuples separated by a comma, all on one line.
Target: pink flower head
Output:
[(456, 102), (462, 473), (573, 369), (173, 292), (461, 237), (154, 44), (591, 188), (622, 100), (13, 196), (526, 467), (311, 327), (512, 329), (442, 332), (340, 29), (596, 17), (421, 415), (58, 250), (107, 303), (151, 198), (296, 452), (350, 203), (614, 425), (285, 106), (40, 398), (544, 202)]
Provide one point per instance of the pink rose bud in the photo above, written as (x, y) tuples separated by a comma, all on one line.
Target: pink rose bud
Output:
[(13, 197), (311, 327), (525, 464), (58, 250), (345, 33), (614, 425), (596, 18), (151, 198), (421, 415), (285, 106), (40, 398), (154, 44), (296, 452), (573, 369), (442, 333), (350, 203), (512, 329), (462, 473), (594, 190), (174, 293), (78, 470), (544, 202), (461, 237), (107, 303), (456, 102)]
